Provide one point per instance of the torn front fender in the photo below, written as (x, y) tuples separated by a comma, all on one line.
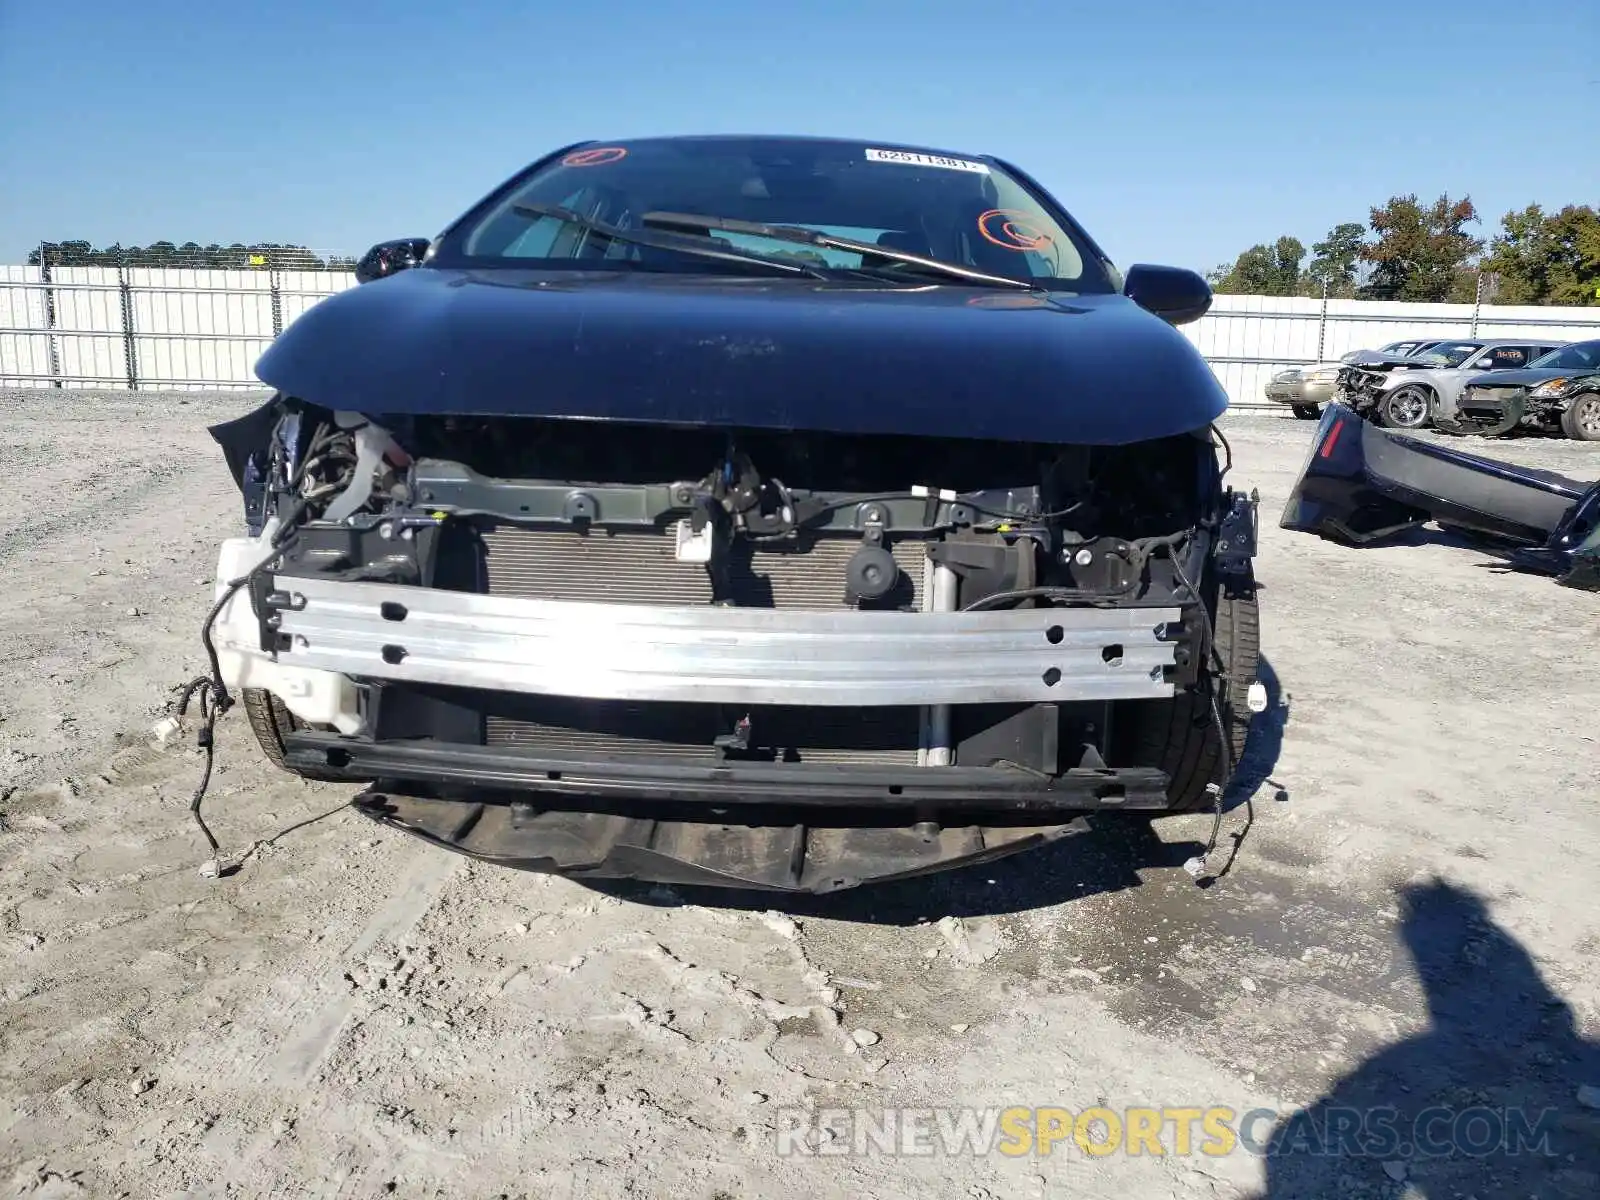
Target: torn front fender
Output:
[(246, 437), (1361, 484), (245, 443)]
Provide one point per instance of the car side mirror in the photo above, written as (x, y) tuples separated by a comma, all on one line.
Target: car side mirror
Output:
[(388, 257), (1176, 295)]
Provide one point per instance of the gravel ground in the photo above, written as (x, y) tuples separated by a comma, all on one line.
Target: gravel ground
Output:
[(1409, 919)]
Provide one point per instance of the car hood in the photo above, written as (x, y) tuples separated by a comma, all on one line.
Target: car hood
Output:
[(1527, 377), (955, 361), (1374, 361)]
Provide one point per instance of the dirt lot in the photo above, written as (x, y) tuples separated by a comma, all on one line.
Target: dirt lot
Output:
[(1410, 920)]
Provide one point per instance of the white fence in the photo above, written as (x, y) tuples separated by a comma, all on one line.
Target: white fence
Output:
[(1248, 338), (168, 328), (148, 327)]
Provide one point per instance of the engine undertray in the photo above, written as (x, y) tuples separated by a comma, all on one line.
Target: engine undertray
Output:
[(789, 857)]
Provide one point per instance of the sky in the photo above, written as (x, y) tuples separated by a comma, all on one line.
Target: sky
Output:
[(1175, 132)]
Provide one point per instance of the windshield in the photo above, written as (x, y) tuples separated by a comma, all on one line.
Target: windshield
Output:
[(1580, 356), (1449, 354), (956, 210)]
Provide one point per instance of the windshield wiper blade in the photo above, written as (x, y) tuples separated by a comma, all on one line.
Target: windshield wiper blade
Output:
[(827, 241), (680, 243)]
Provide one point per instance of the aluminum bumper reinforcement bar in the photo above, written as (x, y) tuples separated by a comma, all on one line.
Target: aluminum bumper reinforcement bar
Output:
[(720, 654)]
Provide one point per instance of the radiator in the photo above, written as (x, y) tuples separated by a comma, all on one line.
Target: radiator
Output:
[(634, 567)]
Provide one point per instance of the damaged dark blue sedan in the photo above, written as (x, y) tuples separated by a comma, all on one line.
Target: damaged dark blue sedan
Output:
[(764, 512)]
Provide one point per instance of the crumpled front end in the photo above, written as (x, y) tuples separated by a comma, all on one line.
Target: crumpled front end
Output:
[(1489, 411), (1361, 386), (794, 661)]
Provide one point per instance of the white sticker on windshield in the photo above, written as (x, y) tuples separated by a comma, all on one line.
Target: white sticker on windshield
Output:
[(911, 158)]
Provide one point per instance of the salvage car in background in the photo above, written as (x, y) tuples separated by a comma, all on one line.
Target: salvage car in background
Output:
[(770, 512), (1304, 389), (1307, 389), (1557, 393), (1407, 392)]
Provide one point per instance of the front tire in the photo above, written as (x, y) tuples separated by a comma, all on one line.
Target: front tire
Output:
[(270, 720), (1306, 412), (1581, 421), (1407, 407), (1179, 735)]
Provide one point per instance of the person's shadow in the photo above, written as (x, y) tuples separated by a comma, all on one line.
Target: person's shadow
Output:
[(1484, 1103)]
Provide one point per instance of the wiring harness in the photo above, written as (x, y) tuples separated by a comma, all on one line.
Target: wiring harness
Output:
[(324, 472)]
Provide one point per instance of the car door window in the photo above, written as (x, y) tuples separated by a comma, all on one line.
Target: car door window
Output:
[(1500, 358)]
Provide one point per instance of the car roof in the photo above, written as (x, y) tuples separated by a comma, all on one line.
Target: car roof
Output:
[(1491, 343)]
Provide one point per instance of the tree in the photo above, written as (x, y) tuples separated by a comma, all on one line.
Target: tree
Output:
[(237, 257), (811, 257), (1420, 252), (1262, 270), (1547, 260), (1334, 259)]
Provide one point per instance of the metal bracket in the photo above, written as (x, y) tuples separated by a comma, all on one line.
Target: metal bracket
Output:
[(1238, 537), (872, 530), (280, 600), (738, 742), (580, 508)]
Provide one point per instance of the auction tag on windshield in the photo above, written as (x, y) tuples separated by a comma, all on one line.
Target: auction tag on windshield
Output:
[(911, 158)]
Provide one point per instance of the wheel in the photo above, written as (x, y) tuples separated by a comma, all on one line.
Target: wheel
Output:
[(1407, 407), (1581, 421), (270, 719), (1306, 412), (1179, 735)]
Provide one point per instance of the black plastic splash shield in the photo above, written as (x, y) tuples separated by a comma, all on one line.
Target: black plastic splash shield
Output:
[(795, 857), (781, 827)]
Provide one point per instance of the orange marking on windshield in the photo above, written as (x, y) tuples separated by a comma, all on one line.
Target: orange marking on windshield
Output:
[(1012, 230), (598, 156)]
